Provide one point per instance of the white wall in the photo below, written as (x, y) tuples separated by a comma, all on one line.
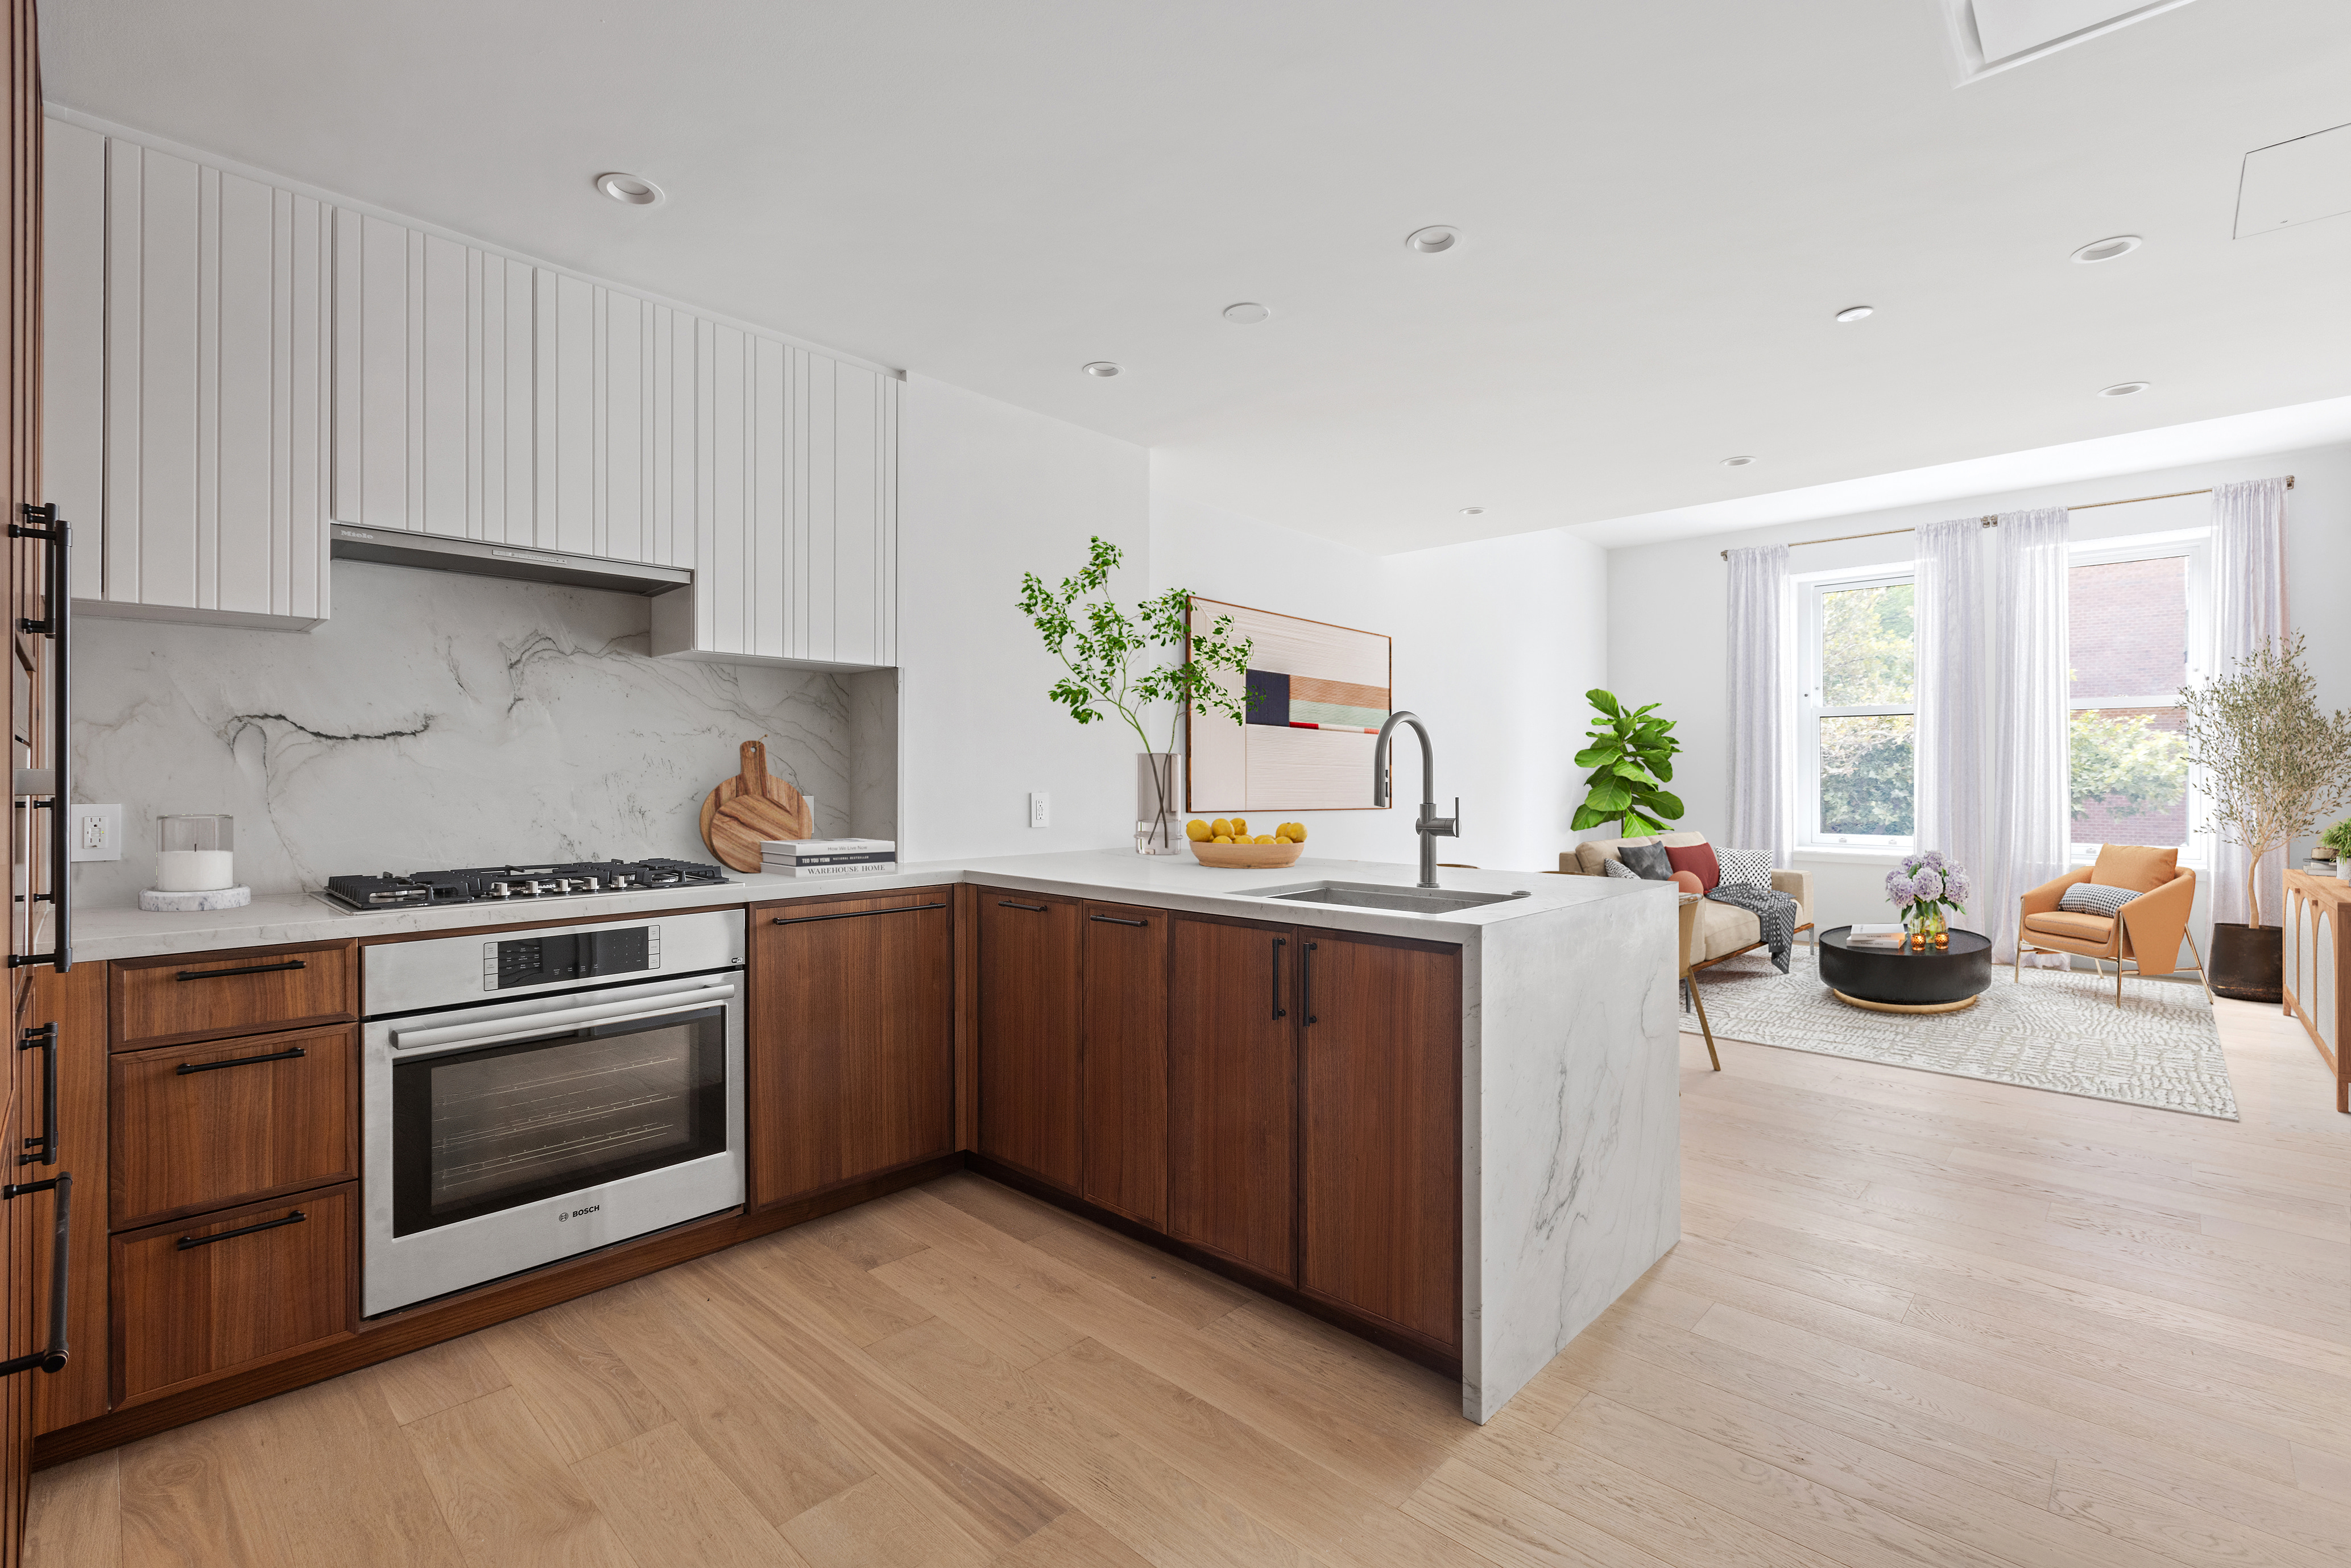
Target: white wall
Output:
[(1666, 634), (987, 491), (1495, 644)]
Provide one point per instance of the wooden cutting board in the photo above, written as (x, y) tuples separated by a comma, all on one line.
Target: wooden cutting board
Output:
[(751, 807)]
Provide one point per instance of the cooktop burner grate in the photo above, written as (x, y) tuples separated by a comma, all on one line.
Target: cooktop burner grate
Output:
[(500, 884)]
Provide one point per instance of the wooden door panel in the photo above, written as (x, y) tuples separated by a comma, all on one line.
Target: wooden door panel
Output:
[(76, 1003), (1380, 1157), (171, 1001), (1031, 1081), (1232, 1087), (851, 1047), (1126, 1061), (195, 1127)]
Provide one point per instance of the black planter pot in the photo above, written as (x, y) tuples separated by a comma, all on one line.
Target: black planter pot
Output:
[(2249, 962)]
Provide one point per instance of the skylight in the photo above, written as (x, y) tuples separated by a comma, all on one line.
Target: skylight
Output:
[(1994, 35)]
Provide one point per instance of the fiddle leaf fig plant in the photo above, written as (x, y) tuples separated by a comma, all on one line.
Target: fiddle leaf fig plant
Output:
[(1631, 758), (1104, 653)]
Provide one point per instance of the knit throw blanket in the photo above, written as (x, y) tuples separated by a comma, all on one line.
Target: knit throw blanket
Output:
[(1774, 910)]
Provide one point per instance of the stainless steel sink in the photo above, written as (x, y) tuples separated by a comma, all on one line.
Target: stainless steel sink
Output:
[(1377, 895)]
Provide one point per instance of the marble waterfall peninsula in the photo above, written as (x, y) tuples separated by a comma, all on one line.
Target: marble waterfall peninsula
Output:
[(441, 719)]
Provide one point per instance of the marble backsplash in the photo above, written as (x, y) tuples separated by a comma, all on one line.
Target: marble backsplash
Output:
[(445, 720)]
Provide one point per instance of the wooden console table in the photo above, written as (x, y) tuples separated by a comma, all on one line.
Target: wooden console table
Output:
[(2317, 966)]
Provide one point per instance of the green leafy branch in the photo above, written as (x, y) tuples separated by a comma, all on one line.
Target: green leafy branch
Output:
[(1631, 759)]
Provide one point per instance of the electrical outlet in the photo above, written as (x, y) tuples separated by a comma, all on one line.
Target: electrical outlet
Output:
[(97, 833), (1040, 809)]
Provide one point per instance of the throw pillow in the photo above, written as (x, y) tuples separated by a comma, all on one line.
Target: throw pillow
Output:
[(1698, 861), (2135, 866), (1594, 854), (1649, 860), (2096, 898), (1619, 870), (1687, 882), (1745, 868)]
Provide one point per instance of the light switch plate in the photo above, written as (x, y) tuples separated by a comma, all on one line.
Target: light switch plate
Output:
[(1040, 809), (97, 833)]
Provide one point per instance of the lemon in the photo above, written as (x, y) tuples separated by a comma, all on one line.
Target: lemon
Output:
[(1297, 833), (1264, 838), (1223, 838), (1196, 830), (1241, 827), (1220, 829)]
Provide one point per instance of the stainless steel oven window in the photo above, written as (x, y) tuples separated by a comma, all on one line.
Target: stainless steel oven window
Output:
[(478, 1131)]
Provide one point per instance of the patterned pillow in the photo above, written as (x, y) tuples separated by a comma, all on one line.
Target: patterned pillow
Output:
[(1649, 860), (1744, 868), (2096, 898), (1620, 869)]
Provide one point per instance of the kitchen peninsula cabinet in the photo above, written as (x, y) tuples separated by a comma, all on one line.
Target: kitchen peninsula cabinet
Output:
[(1125, 1030), (850, 1063), (1232, 1093), (1031, 1022)]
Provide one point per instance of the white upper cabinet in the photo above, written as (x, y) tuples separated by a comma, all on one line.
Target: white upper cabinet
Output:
[(185, 385)]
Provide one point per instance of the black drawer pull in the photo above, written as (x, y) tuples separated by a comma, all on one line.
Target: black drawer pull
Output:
[(249, 969), (1031, 908), (1279, 943), (188, 1242), (854, 914), (1116, 920), (1306, 984), (43, 1150), (61, 1270), (187, 1067)]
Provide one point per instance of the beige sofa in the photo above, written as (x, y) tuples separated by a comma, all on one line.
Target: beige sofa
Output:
[(1711, 931)]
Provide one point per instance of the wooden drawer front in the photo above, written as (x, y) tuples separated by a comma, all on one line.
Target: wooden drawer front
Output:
[(197, 1127), (199, 1298), (164, 1001)]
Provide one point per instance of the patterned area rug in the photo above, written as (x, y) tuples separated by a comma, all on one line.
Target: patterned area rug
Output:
[(2058, 1031)]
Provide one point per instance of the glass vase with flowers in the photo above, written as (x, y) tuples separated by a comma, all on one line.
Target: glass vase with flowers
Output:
[(1929, 889)]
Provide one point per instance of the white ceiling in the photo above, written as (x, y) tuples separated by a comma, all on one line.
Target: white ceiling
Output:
[(1662, 204)]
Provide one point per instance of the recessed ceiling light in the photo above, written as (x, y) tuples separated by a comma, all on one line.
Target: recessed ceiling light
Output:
[(1248, 312), (2107, 249), (633, 189), (1103, 367), (1473, 511), (1856, 313), (1737, 462), (1433, 239), (2124, 389)]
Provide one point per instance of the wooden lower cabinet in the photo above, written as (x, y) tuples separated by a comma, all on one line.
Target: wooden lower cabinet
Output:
[(197, 1127), (1125, 1020), (1380, 1131), (198, 1299), (850, 1049), (1232, 1092), (1030, 992), (75, 1002), (161, 1001)]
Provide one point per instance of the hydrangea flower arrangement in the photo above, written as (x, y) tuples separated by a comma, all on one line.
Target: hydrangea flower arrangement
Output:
[(1926, 887)]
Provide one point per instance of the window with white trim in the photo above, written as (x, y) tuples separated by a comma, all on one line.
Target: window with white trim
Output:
[(2136, 634), (1857, 712)]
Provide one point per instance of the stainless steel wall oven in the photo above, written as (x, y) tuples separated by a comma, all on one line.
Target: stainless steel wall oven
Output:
[(533, 1094)]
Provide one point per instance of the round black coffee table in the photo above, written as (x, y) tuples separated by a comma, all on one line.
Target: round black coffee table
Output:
[(1902, 980)]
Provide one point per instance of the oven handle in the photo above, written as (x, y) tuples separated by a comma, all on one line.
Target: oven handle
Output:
[(496, 1032)]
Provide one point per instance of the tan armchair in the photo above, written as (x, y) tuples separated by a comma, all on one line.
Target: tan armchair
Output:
[(2146, 932)]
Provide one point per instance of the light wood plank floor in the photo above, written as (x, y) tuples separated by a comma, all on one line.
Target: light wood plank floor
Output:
[(1914, 1320)]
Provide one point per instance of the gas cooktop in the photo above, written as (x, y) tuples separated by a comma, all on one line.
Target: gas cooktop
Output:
[(505, 883)]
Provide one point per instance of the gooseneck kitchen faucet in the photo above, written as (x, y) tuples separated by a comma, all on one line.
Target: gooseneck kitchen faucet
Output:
[(1431, 827)]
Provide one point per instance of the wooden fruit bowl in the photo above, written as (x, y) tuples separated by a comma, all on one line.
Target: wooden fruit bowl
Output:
[(1246, 857)]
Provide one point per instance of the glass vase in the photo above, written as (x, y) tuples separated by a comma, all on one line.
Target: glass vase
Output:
[(1928, 928)]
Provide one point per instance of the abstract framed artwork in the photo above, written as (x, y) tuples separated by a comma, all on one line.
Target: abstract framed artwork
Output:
[(1316, 697)]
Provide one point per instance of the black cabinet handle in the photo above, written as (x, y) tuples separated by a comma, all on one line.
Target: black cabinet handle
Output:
[(1279, 943), (53, 1359), (1306, 984), (1031, 908), (43, 1150), (854, 914), (1116, 920), (187, 1067), (188, 1243), (44, 524), (248, 969)]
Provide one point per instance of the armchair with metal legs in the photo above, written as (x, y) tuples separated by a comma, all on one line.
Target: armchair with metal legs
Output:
[(2145, 933)]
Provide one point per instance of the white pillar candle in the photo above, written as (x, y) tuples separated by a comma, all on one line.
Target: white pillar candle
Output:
[(195, 871)]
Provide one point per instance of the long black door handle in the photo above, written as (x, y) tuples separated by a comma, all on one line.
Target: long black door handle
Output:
[(1031, 908), (854, 914), (43, 1150), (187, 1067), (1306, 984), (43, 523), (248, 969), (189, 1243), (1116, 920), (1279, 943), (53, 1359)]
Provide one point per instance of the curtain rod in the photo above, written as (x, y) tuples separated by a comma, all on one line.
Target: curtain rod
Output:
[(1993, 522)]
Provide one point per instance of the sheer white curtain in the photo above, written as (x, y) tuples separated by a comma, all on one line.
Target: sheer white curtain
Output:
[(1763, 684), (1952, 816), (2031, 806), (2247, 613)]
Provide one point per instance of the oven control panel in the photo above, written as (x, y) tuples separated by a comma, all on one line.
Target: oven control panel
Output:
[(578, 954)]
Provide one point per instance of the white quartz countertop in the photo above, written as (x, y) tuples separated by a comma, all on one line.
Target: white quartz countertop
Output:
[(1119, 876)]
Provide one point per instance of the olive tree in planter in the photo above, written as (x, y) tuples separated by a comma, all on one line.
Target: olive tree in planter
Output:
[(1102, 650), (2273, 760)]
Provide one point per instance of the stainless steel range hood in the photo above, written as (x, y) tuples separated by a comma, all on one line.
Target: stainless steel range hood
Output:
[(439, 553)]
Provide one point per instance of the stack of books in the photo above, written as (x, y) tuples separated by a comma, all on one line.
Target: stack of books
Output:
[(1887, 936), (828, 857)]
